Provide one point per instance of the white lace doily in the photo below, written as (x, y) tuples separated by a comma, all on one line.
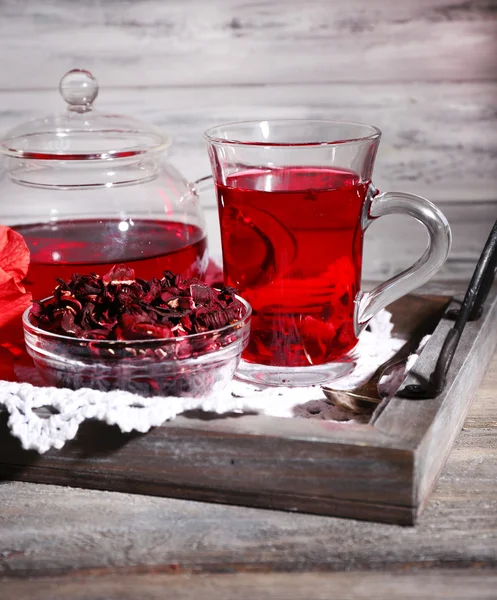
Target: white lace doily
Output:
[(68, 408)]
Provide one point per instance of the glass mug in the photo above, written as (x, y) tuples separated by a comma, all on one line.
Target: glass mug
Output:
[(295, 198)]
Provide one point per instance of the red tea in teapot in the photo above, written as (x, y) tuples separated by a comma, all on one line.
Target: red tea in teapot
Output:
[(150, 247), (292, 246)]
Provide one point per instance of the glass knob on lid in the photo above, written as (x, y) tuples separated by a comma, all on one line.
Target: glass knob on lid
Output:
[(79, 89), (82, 132)]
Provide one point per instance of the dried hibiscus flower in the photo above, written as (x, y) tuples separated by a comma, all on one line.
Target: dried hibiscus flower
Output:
[(127, 333), (118, 306)]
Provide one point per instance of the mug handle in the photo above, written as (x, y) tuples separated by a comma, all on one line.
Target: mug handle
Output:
[(368, 304)]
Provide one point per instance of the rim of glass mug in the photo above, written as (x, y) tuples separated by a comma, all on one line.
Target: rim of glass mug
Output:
[(215, 136)]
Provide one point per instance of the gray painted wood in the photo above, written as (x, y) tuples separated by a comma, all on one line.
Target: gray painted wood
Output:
[(439, 140), (448, 584), (433, 429), (49, 530), (195, 43)]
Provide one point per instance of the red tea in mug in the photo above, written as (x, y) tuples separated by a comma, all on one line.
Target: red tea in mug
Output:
[(292, 246)]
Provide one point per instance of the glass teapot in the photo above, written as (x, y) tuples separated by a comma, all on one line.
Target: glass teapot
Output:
[(88, 190)]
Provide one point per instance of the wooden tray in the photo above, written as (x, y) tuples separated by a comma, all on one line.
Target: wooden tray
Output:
[(383, 470)]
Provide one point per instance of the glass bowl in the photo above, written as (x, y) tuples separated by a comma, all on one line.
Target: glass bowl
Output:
[(193, 365)]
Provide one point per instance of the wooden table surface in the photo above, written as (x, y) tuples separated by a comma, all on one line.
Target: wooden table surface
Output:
[(59, 542)]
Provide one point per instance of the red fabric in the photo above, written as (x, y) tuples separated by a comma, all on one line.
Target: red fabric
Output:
[(14, 262)]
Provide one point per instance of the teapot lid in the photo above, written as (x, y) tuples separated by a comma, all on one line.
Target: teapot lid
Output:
[(82, 133)]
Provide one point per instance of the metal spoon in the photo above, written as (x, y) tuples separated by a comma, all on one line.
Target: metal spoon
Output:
[(360, 399)]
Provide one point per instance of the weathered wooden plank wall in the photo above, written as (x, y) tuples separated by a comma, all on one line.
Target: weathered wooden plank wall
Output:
[(424, 71)]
